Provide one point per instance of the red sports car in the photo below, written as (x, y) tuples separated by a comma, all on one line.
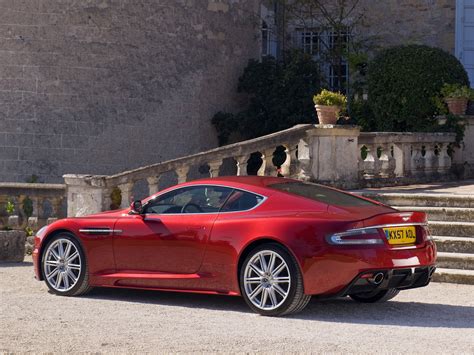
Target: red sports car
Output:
[(274, 241)]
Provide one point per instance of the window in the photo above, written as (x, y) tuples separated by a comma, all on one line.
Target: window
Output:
[(265, 39), (241, 201), (321, 44), (321, 194), (310, 41), (192, 199)]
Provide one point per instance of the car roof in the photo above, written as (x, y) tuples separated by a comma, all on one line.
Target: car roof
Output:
[(257, 181)]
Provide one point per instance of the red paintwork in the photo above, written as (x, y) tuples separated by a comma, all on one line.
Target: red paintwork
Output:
[(200, 253)]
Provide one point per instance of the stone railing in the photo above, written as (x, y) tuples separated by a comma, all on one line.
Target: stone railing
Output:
[(48, 201), (336, 155), (388, 158)]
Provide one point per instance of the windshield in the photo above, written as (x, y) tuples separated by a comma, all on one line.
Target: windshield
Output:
[(320, 193)]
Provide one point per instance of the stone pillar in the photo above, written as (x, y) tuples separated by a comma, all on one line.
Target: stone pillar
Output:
[(214, 168), (153, 182), (85, 194), (270, 169), (335, 154), (285, 167), (126, 192), (242, 162), (182, 173)]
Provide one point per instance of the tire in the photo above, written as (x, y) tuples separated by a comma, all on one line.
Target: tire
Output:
[(272, 291), (376, 296), (64, 266)]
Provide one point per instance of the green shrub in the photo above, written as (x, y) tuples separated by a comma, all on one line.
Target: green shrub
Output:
[(279, 97), (329, 98), (457, 91), (404, 83), (28, 207)]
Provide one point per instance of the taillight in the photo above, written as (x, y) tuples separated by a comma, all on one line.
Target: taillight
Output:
[(363, 236)]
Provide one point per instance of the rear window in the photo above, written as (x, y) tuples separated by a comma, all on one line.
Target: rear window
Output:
[(320, 193)]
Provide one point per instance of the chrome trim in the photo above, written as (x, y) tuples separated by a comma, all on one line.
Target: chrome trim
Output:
[(389, 225), (264, 198), (92, 230)]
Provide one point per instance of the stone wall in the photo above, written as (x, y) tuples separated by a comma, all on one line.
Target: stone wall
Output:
[(101, 86), (393, 22)]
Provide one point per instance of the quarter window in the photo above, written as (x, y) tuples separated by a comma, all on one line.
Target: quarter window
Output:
[(241, 201), (192, 199)]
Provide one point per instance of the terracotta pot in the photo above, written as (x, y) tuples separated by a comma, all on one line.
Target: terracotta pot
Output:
[(457, 106), (327, 114)]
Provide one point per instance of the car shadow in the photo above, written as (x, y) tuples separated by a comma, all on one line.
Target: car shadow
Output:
[(16, 264), (341, 310)]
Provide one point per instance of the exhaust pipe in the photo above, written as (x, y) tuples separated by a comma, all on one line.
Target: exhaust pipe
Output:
[(377, 278)]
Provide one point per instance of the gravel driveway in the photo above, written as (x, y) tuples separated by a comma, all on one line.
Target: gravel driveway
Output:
[(435, 319)]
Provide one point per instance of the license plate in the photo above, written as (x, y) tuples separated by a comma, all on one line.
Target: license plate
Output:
[(400, 235)]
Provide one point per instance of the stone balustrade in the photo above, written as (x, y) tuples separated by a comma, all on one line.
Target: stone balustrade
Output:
[(390, 158), (48, 200), (336, 155)]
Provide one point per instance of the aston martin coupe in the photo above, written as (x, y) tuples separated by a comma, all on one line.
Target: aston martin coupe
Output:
[(274, 241)]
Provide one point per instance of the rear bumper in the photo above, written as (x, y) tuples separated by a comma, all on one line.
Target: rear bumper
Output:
[(333, 269), (396, 278)]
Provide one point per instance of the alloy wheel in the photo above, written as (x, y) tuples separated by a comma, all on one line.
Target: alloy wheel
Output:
[(267, 280), (62, 265)]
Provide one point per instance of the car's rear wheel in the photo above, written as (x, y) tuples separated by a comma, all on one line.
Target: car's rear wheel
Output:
[(375, 296), (64, 266), (271, 282)]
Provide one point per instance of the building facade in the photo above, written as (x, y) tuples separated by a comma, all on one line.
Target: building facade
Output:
[(102, 86)]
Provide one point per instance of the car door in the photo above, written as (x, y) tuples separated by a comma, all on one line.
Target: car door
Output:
[(172, 233)]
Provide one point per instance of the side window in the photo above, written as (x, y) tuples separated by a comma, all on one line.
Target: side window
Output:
[(241, 201), (192, 199)]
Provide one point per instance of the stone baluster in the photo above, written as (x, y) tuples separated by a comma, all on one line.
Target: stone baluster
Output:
[(126, 192), (367, 166), (285, 166), (292, 151), (214, 168), (153, 184), (398, 158), (269, 168), (444, 160), (242, 162), (386, 162), (431, 160), (261, 170), (417, 160), (182, 173), (303, 166)]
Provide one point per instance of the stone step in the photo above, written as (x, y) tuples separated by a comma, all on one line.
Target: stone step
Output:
[(463, 261), (455, 244), (454, 276), (452, 229), (420, 199), (443, 213)]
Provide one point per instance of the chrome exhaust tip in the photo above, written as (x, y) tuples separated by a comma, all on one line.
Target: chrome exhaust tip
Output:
[(377, 278)]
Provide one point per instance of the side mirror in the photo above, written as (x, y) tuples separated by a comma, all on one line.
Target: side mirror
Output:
[(136, 207)]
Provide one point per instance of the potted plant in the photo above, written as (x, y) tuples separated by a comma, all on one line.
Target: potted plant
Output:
[(456, 97), (328, 105)]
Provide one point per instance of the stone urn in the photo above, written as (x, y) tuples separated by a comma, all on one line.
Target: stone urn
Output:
[(457, 106), (327, 114), (12, 245)]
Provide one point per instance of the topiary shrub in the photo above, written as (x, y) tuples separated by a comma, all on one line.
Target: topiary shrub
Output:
[(404, 85)]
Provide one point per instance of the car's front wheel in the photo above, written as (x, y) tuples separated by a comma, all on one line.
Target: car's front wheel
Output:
[(271, 282), (64, 266), (376, 296)]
